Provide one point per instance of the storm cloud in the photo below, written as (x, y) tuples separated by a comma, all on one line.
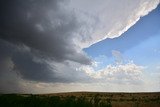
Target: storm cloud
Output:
[(42, 41), (44, 26), (34, 33), (19, 66)]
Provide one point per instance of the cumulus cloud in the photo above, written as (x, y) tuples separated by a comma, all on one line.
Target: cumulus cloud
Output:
[(125, 73), (118, 72)]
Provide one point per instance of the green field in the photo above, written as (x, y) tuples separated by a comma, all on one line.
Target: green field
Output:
[(81, 99)]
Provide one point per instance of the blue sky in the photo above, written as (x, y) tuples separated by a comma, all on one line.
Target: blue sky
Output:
[(140, 43)]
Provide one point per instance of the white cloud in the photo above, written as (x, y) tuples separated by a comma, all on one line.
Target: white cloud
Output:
[(118, 72), (129, 73), (108, 18), (122, 73), (118, 57)]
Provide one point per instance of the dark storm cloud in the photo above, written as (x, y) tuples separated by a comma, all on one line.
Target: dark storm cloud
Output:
[(42, 25), (12, 60), (42, 30), (17, 62)]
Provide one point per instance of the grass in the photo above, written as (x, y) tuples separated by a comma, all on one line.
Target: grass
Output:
[(81, 99)]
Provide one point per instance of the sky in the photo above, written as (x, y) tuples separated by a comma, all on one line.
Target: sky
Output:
[(50, 46)]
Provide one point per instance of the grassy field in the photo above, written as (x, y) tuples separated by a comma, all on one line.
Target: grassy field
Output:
[(81, 99)]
